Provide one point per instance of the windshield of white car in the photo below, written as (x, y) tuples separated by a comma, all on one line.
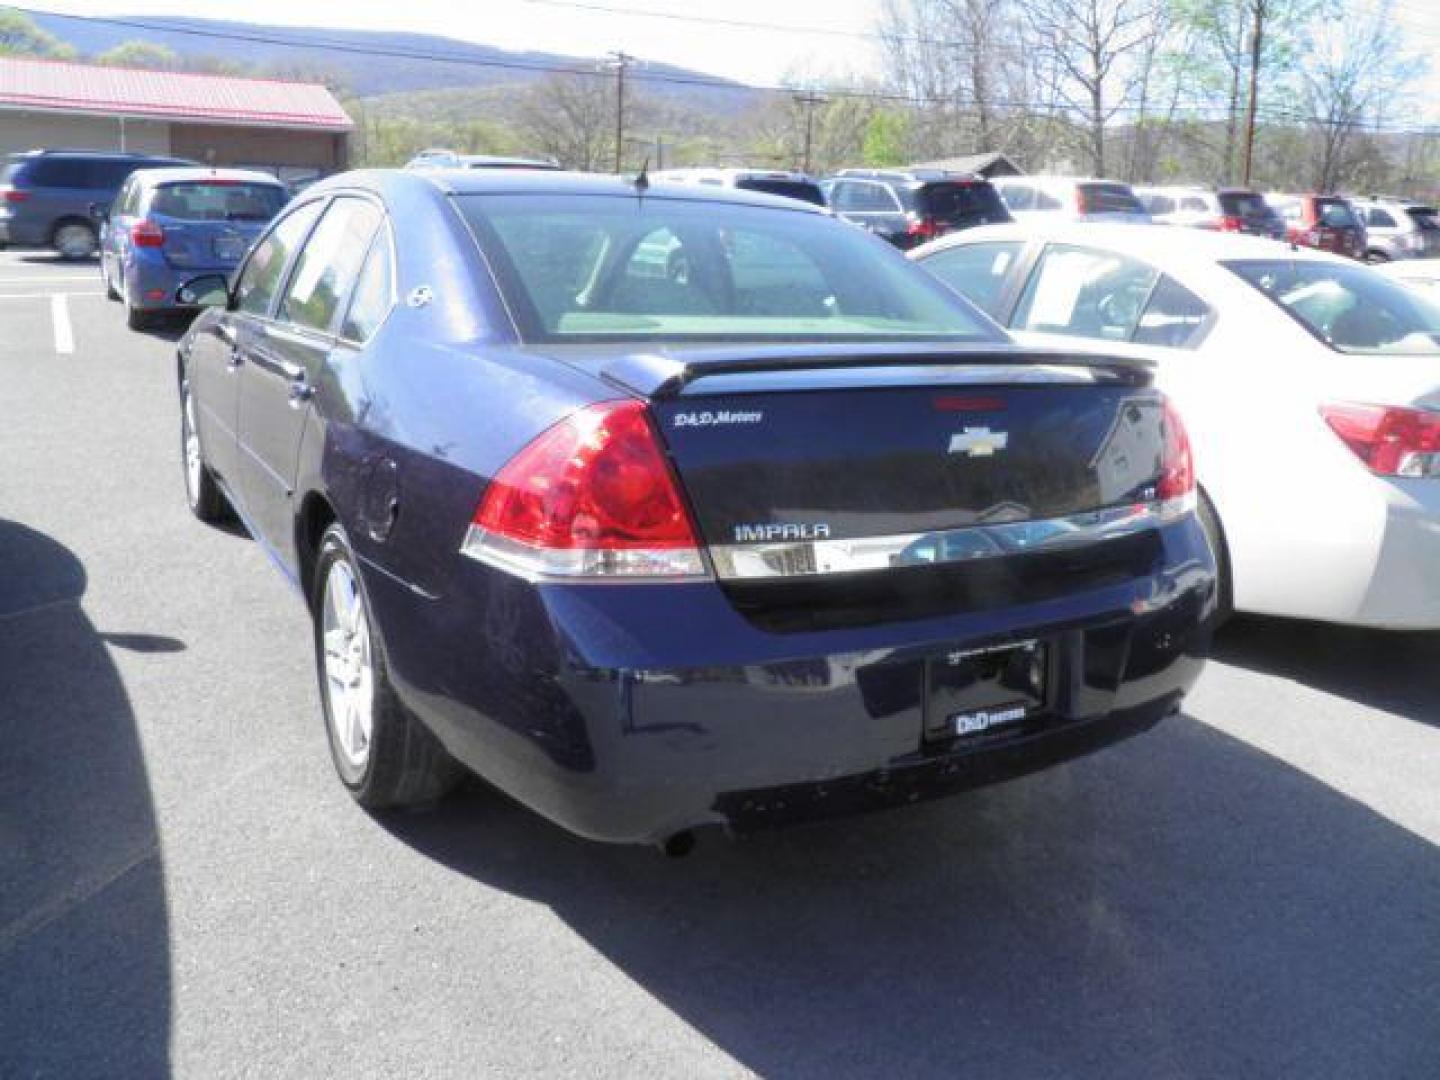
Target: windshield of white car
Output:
[(1350, 308), (600, 268)]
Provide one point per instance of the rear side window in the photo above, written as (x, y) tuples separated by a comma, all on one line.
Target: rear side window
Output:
[(976, 271), (1017, 196), (1381, 219), (974, 203), (260, 279), (1172, 317), (374, 292), (1194, 203), (790, 189), (59, 172), (1158, 204), (329, 264), (873, 199), (218, 201), (1113, 198)]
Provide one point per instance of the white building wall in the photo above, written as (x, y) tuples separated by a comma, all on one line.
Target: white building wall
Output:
[(22, 130)]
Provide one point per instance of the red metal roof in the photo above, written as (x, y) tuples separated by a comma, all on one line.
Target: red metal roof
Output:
[(169, 95)]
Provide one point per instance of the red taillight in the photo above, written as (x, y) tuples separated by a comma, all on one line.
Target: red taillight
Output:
[(1176, 487), (145, 233), (1231, 224), (1391, 441), (591, 497), (13, 195), (922, 228), (1082, 201)]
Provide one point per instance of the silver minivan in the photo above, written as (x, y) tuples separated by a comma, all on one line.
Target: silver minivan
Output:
[(1075, 198)]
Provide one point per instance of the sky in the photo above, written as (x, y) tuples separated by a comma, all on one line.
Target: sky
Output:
[(752, 55), (826, 40)]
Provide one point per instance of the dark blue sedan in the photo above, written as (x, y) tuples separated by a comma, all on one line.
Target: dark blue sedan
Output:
[(668, 507), (169, 225)]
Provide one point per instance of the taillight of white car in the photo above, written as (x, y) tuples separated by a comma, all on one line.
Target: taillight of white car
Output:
[(590, 498), (1390, 440)]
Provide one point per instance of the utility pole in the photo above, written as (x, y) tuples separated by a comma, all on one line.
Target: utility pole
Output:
[(808, 100), (1258, 6), (620, 60)]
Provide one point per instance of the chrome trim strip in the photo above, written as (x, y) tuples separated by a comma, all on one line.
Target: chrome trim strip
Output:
[(809, 558)]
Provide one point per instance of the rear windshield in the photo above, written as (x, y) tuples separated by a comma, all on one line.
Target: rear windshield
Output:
[(791, 189), (1244, 204), (962, 202), (1350, 308), (1335, 214), (212, 201), (1110, 199), (10, 171), (604, 268), (1424, 218)]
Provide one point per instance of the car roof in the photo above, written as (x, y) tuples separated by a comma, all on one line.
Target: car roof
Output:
[(1192, 246), (199, 173), (544, 182)]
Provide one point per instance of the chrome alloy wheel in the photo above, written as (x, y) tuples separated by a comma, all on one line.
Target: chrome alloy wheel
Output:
[(349, 670), (194, 465)]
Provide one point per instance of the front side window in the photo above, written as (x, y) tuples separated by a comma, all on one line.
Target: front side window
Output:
[(976, 271), (1349, 308), (617, 268), (260, 279), (329, 264), (1334, 214), (1195, 204), (1380, 219), (1018, 196)]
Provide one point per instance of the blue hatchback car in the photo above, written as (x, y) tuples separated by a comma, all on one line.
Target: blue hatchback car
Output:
[(666, 506), (168, 225)]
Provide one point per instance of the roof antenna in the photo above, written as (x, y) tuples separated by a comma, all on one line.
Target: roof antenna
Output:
[(642, 178)]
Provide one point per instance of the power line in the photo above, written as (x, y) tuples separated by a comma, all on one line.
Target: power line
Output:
[(599, 68)]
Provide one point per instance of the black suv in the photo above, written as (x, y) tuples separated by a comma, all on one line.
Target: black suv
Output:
[(909, 207), (46, 196)]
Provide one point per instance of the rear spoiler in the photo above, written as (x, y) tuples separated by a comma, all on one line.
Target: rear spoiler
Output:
[(659, 376)]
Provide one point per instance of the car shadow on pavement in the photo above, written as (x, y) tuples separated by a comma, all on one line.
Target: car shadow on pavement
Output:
[(1179, 905), (84, 942), (1396, 671)]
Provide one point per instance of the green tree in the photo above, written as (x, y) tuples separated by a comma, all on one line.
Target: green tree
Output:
[(19, 36), (140, 54), (887, 139)]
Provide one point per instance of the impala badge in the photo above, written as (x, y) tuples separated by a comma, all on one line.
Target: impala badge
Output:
[(978, 442)]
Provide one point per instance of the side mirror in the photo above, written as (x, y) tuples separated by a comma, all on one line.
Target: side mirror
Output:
[(208, 290), (99, 211)]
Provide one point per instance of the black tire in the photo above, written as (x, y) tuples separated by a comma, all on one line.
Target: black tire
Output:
[(1376, 257), (1224, 583), (202, 492), (405, 765), (138, 319), (111, 293), (75, 240)]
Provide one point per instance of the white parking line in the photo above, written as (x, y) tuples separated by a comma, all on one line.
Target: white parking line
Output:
[(60, 316), (43, 295), (46, 279)]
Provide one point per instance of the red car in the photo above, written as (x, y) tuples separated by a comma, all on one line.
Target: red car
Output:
[(1325, 222)]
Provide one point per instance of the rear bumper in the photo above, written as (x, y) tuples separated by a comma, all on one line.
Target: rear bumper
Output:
[(151, 282), (627, 713)]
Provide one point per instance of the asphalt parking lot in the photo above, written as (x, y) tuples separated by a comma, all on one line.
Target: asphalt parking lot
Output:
[(1251, 890)]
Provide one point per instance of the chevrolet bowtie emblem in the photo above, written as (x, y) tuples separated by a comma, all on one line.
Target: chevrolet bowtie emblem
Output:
[(978, 442)]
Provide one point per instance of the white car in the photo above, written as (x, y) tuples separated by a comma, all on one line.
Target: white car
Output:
[(1070, 198), (1310, 385), (1422, 275)]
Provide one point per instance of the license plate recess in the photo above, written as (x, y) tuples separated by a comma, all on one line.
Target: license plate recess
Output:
[(969, 692)]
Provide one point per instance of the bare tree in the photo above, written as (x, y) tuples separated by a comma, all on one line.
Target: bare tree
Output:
[(1088, 47), (571, 117), (1356, 68)]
